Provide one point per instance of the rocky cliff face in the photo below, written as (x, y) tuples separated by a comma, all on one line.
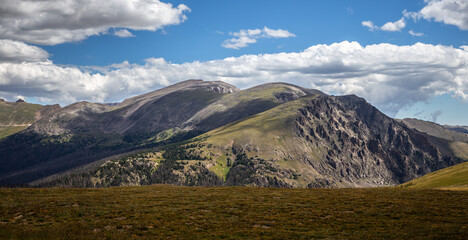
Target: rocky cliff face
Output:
[(322, 141), (364, 147)]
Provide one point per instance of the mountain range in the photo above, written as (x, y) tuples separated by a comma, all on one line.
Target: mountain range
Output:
[(212, 133)]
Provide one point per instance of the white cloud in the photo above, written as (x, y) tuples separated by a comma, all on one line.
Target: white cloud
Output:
[(453, 12), (245, 37), (394, 26), (19, 51), (239, 42), (370, 25), (123, 33), (389, 26), (20, 97), (51, 22), (414, 15), (416, 34), (389, 76), (280, 33)]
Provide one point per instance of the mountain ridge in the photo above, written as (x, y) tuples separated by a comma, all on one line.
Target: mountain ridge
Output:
[(211, 133), (89, 129)]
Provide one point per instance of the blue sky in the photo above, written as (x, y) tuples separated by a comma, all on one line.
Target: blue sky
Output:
[(340, 47), (210, 21)]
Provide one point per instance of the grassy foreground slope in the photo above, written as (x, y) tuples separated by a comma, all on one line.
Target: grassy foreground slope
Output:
[(168, 212), (454, 177)]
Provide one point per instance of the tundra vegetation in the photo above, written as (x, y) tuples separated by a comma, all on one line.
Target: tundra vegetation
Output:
[(177, 212)]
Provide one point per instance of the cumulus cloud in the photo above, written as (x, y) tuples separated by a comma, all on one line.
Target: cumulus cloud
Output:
[(453, 12), (123, 33), (389, 76), (416, 34), (50, 22), (394, 26), (370, 25), (13, 51), (280, 33), (238, 42), (245, 37), (389, 26)]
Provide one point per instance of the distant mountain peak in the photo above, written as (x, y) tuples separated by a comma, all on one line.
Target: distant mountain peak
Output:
[(215, 86)]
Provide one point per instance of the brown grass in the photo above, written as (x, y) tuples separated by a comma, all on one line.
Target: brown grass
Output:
[(168, 212)]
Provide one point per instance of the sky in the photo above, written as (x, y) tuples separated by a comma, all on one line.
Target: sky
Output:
[(407, 58)]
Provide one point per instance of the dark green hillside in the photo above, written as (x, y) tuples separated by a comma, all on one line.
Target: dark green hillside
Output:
[(85, 132), (29, 156), (168, 212)]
